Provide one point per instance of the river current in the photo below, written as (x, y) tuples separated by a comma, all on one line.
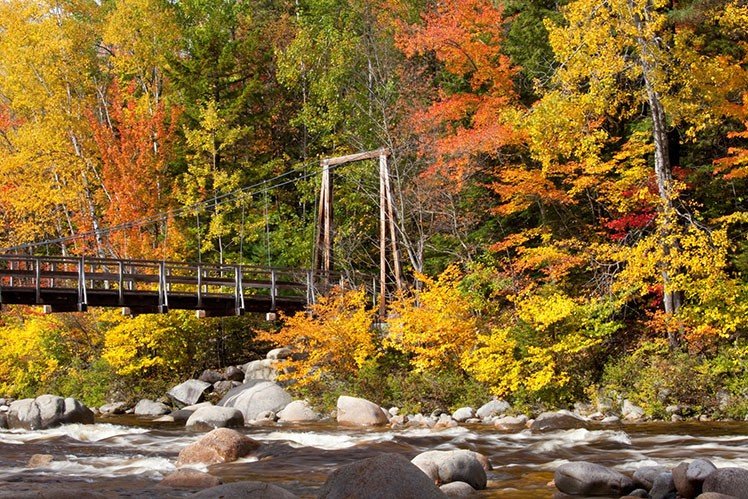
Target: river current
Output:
[(128, 457)]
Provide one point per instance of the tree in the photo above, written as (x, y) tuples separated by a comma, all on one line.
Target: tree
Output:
[(615, 57)]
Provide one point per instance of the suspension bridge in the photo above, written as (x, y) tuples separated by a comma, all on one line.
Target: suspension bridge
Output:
[(69, 284), (65, 284)]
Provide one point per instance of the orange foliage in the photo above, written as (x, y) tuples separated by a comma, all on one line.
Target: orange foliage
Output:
[(135, 145), (465, 36)]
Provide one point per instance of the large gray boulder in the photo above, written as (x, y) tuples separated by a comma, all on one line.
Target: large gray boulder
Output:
[(256, 397), (663, 486), (260, 369), (233, 373), (645, 476), (150, 408), (454, 466), (359, 412), (382, 477), (47, 411), (689, 477), (463, 414), (511, 423), (279, 353), (493, 408), (588, 479), (298, 411), (190, 392), (221, 445), (561, 420), (728, 481), (458, 489), (211, 376), (246, 490), (215, 417)]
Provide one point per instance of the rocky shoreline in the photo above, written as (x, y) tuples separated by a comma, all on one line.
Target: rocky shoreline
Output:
[(238, 396)]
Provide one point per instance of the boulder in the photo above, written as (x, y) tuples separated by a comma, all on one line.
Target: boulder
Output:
[(233, 373), (182, 415), (221, 388), (631, 411), (210, 376), (221, 445), (47, 411), (359, 412), (645, 476), (463, 414), (663, 486), (561, 420), (279, 353), (297, 411), (246, 490), (458, 489), (689, 477), (216, 417), (453, 466), (113, 408), (256, 397), (495, 407), (190, 392), (728, 481), (39, 460), (582, 478), (381, 477), (150, 408), (3, 421), (188, 478), (511, 423), (260, 369)]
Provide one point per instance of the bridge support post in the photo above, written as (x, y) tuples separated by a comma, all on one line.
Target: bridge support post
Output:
[(163, 296), (82, 294)]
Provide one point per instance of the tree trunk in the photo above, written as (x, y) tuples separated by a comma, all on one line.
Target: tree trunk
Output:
[(663, 176)]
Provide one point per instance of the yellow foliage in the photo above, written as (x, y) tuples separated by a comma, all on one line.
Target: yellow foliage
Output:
[(149, 344), (539, 347), (434, 325), (334, 340)]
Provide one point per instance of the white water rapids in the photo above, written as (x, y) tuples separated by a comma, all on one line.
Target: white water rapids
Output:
[(129, 460)]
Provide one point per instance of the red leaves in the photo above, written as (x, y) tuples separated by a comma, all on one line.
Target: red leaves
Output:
[(466, 37), (135, 144)]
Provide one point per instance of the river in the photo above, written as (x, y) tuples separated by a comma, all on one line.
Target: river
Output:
[(127, 457)]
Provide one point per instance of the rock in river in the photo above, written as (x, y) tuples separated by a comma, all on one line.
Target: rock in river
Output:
[(47, 411), (256, 397), (360, 412), (382, 477), (454, 466), (221, 445), (588, 479)]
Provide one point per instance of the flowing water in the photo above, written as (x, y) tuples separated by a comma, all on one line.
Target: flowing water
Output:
[(127, 457)]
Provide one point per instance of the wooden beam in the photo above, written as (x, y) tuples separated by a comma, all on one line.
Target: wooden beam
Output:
[(339, 160)]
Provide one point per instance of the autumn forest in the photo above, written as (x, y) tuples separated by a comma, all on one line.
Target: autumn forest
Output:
[(569, 180)]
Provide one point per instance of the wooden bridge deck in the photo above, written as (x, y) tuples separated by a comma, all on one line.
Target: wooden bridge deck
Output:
[(64, 284)]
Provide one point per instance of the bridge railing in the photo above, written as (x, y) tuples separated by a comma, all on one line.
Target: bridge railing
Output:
[(123, 278)]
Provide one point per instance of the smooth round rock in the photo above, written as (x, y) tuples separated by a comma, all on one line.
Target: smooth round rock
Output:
[(728, 481), (458, 489), (359, 412), (645, 476), (256, 397), (495, 407), (589, 479), (216, 417), (297, 411), (454, 466), (385, 476), (47, 411), (463, 414), (150, 408), (663, 486), (221, 445), (562, 420)]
